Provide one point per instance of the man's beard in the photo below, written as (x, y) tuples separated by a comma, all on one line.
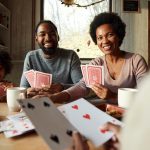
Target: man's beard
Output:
[(48, 51)]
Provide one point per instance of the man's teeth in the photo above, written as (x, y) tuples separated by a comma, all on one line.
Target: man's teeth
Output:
[(47, 45)]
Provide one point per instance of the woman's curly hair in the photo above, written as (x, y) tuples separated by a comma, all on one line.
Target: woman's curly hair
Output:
[(5, 61), (108, 18)]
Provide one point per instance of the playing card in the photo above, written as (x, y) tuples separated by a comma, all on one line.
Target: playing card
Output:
[(38, 79), (6, 125), (92, 74), (17, 124), (13, 133), (42, 79), (49, 122), (84, 73), (95, 74), (30, 77), (88, 120), (22, 120)]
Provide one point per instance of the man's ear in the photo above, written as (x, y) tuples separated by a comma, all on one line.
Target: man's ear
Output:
[(36, 38)]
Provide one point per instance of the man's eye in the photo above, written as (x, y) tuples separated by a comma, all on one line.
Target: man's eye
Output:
[(42, 34)]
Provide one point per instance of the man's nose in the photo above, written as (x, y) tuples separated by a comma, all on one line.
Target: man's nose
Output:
[(47, 37)]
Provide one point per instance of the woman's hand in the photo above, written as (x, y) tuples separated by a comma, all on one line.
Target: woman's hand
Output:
[(101, 91), (114, 142), (79, 143)]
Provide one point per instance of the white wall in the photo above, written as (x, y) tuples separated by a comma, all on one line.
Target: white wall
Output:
[(136, 39)]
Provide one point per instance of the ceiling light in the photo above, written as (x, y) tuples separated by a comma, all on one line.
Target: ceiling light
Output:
[(73, 3)]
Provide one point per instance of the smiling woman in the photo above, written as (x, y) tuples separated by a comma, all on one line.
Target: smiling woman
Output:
[(73, 24)]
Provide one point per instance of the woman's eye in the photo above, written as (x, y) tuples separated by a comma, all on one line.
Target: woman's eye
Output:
[(110, 34), (99, 38)]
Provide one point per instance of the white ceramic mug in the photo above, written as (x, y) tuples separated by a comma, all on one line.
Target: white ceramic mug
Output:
[(12, 95), (126, 96)]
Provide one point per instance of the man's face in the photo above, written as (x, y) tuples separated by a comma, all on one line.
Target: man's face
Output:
[(47, 38)]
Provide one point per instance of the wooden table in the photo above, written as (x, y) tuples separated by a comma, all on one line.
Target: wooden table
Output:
[(29, 141)]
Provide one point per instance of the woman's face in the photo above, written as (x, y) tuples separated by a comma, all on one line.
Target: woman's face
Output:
[(2, 72), (107, 39)]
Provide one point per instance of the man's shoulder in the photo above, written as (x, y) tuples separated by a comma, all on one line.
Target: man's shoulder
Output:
[(68, 52), (34, 52), (64, 50)]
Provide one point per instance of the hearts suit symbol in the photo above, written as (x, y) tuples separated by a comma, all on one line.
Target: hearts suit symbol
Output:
[(87, 116), (75, 107), (103, 131)]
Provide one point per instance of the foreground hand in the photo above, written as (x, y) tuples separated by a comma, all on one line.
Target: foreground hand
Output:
[(78, 142), (101, 91), (114, 142)]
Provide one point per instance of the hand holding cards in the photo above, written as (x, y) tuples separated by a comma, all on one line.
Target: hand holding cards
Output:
[(92, 74), (56, 129), (38, 79)]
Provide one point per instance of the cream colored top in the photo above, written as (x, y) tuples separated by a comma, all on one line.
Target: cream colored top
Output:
[(133, 70), (136, 133)]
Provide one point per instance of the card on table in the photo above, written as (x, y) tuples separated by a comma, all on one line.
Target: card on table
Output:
[(49, 122), (38, 79), (88, 120), (93, 74), (17, 124), (6, 125), (23, 121)]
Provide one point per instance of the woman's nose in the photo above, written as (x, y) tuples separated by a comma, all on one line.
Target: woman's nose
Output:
[(105, 40)]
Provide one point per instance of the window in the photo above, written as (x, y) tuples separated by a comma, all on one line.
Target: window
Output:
[(73, 24)]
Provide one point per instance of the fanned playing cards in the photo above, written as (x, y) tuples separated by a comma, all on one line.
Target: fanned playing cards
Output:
[(55, 125), (92, 74), (38, 79)]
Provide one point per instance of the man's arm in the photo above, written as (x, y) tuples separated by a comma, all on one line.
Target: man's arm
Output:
[(23, 81)]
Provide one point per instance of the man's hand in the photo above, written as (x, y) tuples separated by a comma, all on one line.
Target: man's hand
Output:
[(44, 91), (32, 92)]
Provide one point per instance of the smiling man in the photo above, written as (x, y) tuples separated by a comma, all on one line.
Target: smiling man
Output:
[(63, 64)]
